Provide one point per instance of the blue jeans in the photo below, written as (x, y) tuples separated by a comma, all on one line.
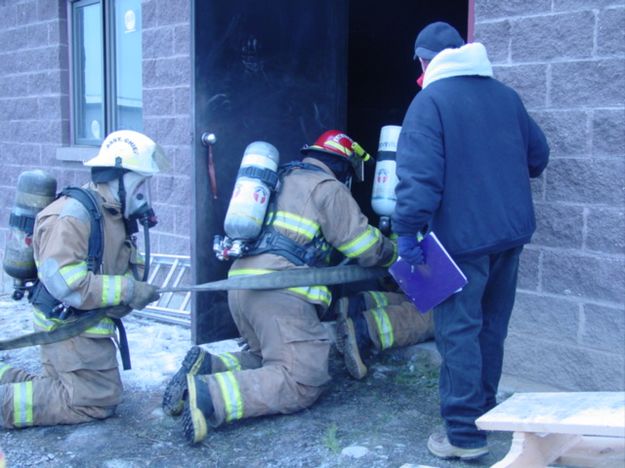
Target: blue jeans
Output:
[(470, 329)]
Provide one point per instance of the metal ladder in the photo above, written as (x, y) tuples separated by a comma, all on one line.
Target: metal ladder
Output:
[(170, 271)]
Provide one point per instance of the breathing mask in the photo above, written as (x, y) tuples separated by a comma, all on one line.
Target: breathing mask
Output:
[(137, 204)]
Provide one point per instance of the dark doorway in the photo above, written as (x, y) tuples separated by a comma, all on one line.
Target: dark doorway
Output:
[(284, 71), (266, 70), (381, 79)]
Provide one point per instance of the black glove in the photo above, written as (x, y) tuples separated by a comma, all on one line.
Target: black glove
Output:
[(143, 293), (409, 249)]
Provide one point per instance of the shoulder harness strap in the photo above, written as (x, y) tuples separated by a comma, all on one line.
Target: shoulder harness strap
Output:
[(287, 168), (96, 239), (272, 241), (39, 295)]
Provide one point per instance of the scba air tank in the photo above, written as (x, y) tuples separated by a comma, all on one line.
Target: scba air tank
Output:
[(256, 179), (35, 190), (385, 180)]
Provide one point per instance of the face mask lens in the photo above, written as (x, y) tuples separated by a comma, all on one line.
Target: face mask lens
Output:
[(138, 195)]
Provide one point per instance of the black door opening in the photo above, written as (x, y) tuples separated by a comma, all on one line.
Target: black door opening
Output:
[(277, 71), (381, 77)]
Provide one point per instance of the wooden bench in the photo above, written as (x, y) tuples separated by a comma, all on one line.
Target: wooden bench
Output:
[(575, 429)]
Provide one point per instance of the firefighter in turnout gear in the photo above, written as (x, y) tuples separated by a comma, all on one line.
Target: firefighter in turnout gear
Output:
[(81, 380), (311, 217), (377, 320)]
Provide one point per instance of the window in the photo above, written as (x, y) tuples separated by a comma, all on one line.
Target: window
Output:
[(106, 68)]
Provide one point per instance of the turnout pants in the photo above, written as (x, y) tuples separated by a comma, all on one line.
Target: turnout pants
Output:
[(470, 328), (393, 320), (284, 369), (81, 382)]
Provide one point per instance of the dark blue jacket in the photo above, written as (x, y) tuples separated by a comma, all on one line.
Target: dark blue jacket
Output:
[(465, 155)]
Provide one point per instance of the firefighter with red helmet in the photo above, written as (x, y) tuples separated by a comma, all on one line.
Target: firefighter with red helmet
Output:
[(311, 217)]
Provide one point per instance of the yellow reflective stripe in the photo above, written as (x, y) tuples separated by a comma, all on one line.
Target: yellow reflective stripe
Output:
[(297, 224), (233, 404), (74, 272), (248, 272), (111, 290), (393, 257), (314, 293), (379, 298), (338, 147), (385, 329), (117, 299), (105, 291), (41, 322), (3, 370), (362, 243), (104, 327), (23, 404), (230, 361)]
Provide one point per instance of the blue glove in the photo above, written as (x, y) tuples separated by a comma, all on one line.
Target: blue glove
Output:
[(410, 250)]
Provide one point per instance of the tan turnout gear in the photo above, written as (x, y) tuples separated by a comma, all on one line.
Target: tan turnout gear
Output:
[(314, 203), (81, 379), (286, 366), (380, 320), (394, 321)]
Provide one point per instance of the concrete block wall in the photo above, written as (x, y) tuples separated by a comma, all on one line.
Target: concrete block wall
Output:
[(565, 57), (34, 106), (567, 60), (167, 117)]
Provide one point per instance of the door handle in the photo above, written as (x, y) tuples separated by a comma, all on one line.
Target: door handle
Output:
[(208, 140)]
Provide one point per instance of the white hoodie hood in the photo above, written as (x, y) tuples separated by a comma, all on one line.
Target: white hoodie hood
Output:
[(470, 59)]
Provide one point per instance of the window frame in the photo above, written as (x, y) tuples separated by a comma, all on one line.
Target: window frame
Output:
[(109, 67)]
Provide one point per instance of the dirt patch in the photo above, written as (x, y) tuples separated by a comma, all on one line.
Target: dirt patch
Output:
[(382, 421)]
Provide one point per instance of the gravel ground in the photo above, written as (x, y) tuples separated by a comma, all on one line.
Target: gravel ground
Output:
[(382, 421)]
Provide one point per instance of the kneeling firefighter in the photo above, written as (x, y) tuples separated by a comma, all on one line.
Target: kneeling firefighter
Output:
[(381, 319), (311, 215), (86, 257)]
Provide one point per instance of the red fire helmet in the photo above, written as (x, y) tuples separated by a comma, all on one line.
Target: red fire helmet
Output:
[(333, 142)]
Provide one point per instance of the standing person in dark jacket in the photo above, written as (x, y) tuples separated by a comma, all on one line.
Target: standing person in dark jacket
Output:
[(465, 156)]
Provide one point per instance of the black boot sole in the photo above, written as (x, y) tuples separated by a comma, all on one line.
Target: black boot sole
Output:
[(174, 394)]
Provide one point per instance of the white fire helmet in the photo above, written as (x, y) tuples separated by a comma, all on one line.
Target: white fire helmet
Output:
[(130, 150)]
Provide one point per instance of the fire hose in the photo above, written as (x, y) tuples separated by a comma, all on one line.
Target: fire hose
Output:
[(295, 277)]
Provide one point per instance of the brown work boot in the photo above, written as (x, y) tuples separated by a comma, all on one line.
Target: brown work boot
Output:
[(348, 307), (197, 361), (354, 334), (341, 312), (439, 445)]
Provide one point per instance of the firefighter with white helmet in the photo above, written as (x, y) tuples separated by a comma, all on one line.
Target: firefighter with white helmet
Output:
[(86, 259), (311, 218)]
